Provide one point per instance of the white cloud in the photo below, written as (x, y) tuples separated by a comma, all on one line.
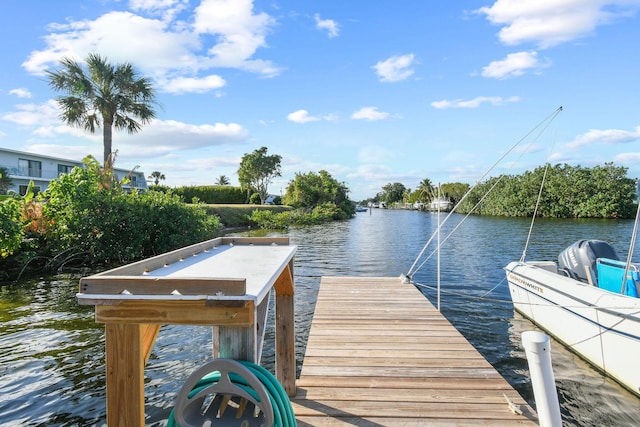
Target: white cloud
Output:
[(302, 116), (157, 137), (239, 33), (372, 172), (369, 113), (180, 135), (627, 158), (551, 22), (71, 152), (372, 155), (515, 64), (120, 36), (167, 9), (194, 84), (473, 103), (607, 136), (20, 92), (220, 33), (34, 114), (327, 24), (395, 68)]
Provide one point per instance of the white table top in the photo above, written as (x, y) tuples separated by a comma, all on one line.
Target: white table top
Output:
[(259, 265)]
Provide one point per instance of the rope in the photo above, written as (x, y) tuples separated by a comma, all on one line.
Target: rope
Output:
[(282, 410), (483, 297)]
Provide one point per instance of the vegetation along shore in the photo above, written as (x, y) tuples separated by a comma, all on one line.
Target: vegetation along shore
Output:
[(87, 217)]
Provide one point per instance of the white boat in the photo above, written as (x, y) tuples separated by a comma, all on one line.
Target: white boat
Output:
[(582, 302), (441, 204)]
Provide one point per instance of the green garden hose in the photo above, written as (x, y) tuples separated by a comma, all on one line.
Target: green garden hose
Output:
[(282, 410)]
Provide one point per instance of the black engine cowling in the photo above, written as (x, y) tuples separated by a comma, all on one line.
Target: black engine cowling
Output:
[(572, 260)]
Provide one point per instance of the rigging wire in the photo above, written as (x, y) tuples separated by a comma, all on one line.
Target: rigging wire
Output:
[(535, 211), (545, 123), (483, 297)]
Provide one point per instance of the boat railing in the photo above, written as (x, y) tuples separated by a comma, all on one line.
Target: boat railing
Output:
[(610, 273)]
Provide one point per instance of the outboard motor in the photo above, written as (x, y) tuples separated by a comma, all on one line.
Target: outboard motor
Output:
[(583, 253)]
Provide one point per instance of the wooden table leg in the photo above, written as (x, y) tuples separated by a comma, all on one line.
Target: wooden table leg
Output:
[(285, 331), (125, 359)]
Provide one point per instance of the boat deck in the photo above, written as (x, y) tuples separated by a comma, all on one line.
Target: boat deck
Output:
[(380, 354)]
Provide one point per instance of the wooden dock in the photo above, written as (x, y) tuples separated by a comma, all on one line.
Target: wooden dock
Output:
[(380, 354)]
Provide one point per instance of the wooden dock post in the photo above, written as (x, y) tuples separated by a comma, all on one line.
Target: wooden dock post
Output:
[(178, 288)]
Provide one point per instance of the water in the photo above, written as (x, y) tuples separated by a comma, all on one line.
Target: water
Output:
[(52, 351)]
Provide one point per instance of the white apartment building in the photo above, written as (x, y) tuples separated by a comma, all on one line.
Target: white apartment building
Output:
[(25, 167)]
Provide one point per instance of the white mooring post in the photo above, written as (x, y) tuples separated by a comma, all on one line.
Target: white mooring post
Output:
[(538, 351)]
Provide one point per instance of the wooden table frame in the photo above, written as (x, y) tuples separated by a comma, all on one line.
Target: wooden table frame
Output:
[(135, 300)]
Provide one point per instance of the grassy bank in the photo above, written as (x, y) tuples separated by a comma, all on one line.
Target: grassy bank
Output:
[(238, 215)]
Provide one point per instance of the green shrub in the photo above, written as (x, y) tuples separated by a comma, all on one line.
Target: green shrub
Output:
[(110, 225), (212, 194), (12, 229), (281, 220), (255, 199), (271, 220)]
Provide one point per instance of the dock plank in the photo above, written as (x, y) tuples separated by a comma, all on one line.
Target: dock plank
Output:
[(380, 354)]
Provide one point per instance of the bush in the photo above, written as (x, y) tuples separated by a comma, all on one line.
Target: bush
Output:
[(107, 224), (255, 199), (281, 220), (11, 230), (212, 194), (240, 215)]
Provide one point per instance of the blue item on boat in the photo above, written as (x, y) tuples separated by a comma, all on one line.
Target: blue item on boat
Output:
[(610, 276)]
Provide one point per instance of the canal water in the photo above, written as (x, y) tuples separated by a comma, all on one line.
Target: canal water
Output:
[(52, 351)]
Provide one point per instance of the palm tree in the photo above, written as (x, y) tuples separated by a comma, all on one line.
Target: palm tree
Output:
[(425, 190), (106, 96), (222, 180), (156, 176)]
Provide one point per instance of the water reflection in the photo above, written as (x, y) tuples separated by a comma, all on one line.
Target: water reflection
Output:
[(52, 351)]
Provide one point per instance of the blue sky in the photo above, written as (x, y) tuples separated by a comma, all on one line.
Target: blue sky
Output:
[(373, 92)]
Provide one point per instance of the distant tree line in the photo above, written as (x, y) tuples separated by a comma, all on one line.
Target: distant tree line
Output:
[(396, 192), (568, 192)]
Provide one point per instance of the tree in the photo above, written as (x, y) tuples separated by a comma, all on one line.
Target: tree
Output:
[(156, 176), (312, 189), (392, 193), (5, 180), (569, 192), (425, 190), (257, 170), (454, 190), (104, 96), (222, 180)]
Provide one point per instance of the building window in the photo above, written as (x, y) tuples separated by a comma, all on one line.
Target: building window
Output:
[(64, 169), (22, 189), (30, 168)]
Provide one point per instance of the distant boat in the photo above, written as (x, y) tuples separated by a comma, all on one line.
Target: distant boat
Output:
[(584, 302), (441, 204), (361, 209)]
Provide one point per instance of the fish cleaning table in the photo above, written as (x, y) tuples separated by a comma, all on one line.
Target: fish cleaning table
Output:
[(224, 283)]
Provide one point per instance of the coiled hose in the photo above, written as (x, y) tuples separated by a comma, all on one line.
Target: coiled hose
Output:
[(282, 410)]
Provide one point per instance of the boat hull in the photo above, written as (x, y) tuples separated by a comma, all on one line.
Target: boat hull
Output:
[(600, 326)]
